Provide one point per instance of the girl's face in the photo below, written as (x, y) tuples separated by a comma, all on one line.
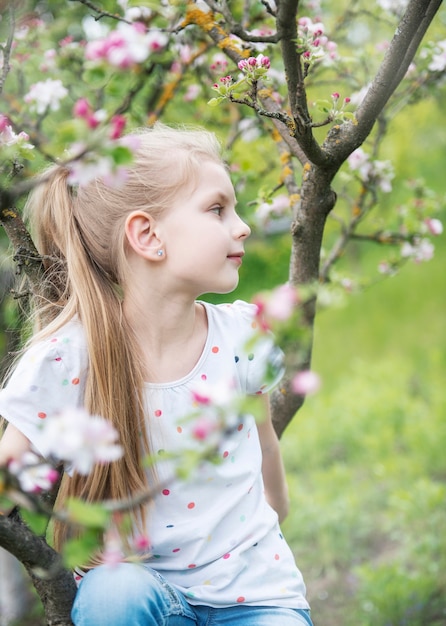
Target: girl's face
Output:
[(203, 237)]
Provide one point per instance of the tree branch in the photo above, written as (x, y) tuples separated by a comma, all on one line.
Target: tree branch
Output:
[(8, 47), (54, 584), (399, 55)]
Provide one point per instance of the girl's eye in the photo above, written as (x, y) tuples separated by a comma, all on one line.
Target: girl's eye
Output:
[(217, 210)]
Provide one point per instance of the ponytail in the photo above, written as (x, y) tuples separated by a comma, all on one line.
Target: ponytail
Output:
[(75, 284)]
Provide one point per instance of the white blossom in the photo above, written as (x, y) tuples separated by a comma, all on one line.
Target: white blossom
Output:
[(46, 95), (79, 439), (33, 474), (420, 250)]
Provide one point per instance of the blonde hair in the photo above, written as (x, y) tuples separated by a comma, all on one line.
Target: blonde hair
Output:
[(80, 234)]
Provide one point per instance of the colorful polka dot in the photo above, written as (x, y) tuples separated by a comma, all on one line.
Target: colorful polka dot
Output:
[(225, 454), (250, 356), (191, 505), (59, 358), (65, 381), (75, 381), (276, 557), (215, 349), (236, 359), (176, 550), (191, 566), (179, 429), (204, 377), (165, 492), (170, 526), (226, 556), (241, 599), (158, 413), (240, 427), (53, 340), (41, 414)]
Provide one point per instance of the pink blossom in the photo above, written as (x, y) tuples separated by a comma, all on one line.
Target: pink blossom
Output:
[(219, 63), (33, 473), (81, 108), (9, 138), (434, 226), (4, 122), (113, 552), (203, 427), (218, 395), (127, 45), (282, 302), (118, 123), (279, 305), (66, 41), (141, 543), (192, 93), (306, 382), (335, 95), (199, 398)]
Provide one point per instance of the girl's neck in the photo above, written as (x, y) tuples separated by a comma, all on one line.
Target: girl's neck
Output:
[(171, 334)]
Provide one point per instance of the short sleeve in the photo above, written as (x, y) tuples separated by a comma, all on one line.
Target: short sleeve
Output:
[(260, 362), (49, 377)]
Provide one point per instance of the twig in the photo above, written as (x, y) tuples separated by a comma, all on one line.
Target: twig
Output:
[(100, 12), (7, 48)]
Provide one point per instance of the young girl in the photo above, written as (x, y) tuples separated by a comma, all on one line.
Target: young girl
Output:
[(122, 334)]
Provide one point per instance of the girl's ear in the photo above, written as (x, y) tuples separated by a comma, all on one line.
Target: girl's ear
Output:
[(142, 235)]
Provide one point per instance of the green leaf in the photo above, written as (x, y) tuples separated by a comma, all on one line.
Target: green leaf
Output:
[(78, 552), (91, 515), (213, 102), (36, 521), (121, 155), (95, 76)]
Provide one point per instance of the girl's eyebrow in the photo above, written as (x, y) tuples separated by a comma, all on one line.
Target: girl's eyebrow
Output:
[(225, 198)]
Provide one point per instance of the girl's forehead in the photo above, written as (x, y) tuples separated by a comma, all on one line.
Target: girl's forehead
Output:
[(214, 181)]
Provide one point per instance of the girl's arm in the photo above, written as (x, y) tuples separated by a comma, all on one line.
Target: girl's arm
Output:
[(276, 489), (12, 445)]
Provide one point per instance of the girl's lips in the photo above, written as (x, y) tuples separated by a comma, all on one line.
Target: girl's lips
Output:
[(236, 257)]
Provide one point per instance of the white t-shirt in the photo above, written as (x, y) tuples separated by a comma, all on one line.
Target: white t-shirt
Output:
[(212, 533)]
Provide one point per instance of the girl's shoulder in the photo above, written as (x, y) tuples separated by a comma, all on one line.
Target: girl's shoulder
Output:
[(48, 377), (239, 315), (67, 341)]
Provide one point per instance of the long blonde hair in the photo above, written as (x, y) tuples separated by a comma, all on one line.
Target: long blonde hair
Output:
[(80, 234)]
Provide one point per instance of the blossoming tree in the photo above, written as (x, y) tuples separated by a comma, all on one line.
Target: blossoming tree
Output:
[(74, 75)]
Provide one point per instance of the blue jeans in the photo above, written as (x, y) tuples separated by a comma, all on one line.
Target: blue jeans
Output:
[(136, 595)]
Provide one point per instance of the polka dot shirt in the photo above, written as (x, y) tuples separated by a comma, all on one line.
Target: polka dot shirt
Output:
[(212, 533)]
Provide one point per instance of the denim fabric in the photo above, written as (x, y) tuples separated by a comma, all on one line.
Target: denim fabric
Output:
[(136, 595)]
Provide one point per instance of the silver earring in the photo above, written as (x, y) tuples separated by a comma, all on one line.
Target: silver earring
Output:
[(160, 252)]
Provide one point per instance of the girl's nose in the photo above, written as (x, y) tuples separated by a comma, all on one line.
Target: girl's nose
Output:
[(242, 230)]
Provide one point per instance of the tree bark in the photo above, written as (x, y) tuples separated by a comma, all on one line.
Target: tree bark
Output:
[(54, 584)]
